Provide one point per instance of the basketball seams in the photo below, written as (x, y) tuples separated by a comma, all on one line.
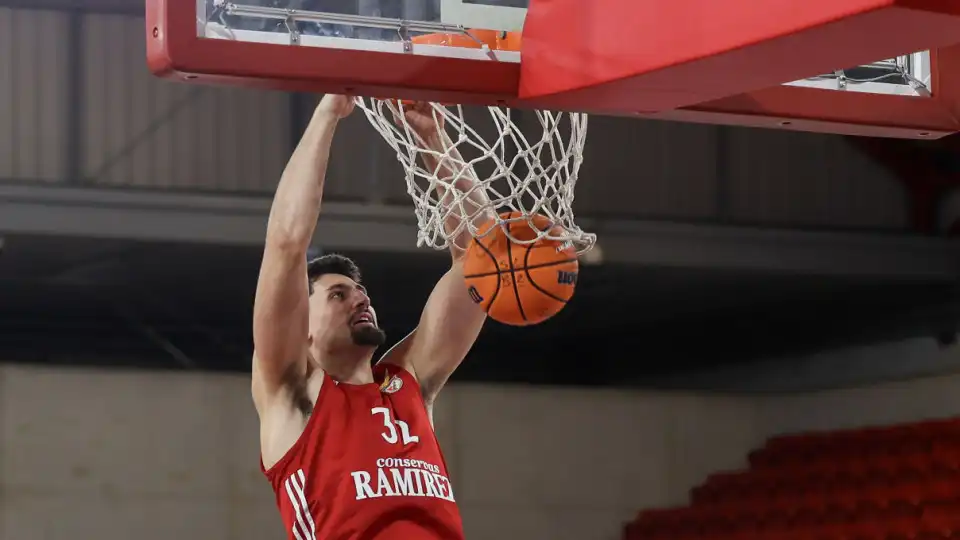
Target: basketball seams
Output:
[(531, 267), (534, 283), (513, 279), (496, 265), (541, 299)]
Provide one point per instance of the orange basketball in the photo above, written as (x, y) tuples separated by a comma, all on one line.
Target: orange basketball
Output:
[(520, 284)]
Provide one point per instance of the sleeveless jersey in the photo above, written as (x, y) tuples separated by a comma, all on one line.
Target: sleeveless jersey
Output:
[(367, 466)]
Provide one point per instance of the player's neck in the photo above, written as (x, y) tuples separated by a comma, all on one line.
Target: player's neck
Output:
[(351, 367)]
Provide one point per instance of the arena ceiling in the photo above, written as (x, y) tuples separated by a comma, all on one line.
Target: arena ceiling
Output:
[(187, 306)]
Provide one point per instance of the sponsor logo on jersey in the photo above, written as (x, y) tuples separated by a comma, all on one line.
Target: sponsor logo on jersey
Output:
[(391, 384), (401, 477)]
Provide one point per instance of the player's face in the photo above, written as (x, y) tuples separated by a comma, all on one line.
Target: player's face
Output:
[(341, 314)]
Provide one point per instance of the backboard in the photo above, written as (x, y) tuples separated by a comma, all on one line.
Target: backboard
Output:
[(780, 64)]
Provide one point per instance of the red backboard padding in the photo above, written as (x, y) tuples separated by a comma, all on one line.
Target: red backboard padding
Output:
[(175, 51), (846, 113), (562, 75), (652, 56)]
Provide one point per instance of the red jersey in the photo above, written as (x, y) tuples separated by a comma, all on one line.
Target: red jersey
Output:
[(367, 466)]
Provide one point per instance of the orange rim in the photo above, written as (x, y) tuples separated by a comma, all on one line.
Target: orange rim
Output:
[(474, 39)]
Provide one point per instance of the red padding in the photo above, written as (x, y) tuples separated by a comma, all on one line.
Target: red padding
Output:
[(649, 56)]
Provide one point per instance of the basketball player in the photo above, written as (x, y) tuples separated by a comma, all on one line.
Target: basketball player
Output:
[(350, 448)]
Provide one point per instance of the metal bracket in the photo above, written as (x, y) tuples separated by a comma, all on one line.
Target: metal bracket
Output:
[(921, 89), (841, 79), (291, 24), (404, 32)]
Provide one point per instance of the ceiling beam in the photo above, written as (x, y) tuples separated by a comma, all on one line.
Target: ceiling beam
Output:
[(241, 220)]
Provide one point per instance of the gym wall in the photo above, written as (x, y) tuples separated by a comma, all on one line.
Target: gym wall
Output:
[(113, 454)]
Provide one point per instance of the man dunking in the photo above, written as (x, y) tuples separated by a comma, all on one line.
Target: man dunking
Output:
[(349, 447)]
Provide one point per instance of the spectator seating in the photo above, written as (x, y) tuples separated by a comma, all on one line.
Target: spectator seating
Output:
[(897, 482)]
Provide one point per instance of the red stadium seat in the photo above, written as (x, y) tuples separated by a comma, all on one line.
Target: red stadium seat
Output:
[(877, 483)]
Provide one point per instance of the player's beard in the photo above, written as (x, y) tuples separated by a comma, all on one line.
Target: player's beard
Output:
[(367, 336)]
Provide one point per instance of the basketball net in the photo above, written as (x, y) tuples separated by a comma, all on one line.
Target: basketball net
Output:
[(521, 174)]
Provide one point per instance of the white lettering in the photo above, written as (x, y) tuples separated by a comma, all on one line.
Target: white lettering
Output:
[(384, 489), (418, 481), (404, 481), (444, 487), (431, 488), (405, 433), (391, 434), (391, 425), (416, 476), (361, 479)]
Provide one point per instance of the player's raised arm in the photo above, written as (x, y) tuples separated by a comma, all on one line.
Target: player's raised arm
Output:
[(451, 321), (475, 203), (280, 313)]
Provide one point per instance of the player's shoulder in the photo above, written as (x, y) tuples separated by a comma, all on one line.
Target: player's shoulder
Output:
[(398, 357)]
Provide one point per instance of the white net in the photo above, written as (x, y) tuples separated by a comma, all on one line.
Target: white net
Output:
[(461, 179)]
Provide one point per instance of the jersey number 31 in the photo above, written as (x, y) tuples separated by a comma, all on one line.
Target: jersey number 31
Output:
[(391, 425)]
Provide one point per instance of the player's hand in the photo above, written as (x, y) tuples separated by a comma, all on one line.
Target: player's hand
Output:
[(336, 105), (420, 116)]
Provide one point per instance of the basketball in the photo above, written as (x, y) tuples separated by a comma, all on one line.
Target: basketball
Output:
[(520, 284)]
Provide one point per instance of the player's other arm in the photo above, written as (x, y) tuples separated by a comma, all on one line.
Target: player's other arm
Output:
[(280, 316), (451, 321)]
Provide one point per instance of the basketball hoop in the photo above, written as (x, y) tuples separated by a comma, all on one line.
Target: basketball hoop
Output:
[(528, 174)]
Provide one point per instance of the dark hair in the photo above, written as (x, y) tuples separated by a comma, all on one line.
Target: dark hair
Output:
[(332, 263)]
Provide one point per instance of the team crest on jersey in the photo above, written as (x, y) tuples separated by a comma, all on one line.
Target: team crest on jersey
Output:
[(391, 384)]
